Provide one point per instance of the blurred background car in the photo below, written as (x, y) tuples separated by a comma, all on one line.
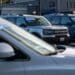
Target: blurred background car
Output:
[(63, 20), (72, 16), (41, 27)]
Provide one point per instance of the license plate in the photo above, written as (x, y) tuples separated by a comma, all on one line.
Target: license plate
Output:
[(62, 39)]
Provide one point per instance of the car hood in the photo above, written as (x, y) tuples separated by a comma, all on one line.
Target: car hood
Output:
[(66, 58), (59, 27), (48, 27)]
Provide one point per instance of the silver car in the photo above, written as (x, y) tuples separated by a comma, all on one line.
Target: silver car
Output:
[(41, 27), (24, 54)]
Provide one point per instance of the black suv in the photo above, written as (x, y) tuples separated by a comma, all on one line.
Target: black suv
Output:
[(63, 20)]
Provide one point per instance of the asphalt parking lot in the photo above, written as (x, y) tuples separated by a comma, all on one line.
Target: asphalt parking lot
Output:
[(68, 46)]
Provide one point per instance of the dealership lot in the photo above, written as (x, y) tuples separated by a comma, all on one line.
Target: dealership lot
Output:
[(25, 54)]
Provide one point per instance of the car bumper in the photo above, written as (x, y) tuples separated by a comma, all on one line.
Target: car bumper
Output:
[(57, 38)]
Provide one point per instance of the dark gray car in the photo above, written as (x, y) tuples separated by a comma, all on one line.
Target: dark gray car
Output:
[(63, 20)]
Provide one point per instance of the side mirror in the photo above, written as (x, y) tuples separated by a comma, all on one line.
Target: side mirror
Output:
[(6, 50), (23, 25), (60, 48)]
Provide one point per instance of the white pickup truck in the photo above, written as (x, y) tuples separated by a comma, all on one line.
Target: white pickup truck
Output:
[(24, 54), (41, 27)]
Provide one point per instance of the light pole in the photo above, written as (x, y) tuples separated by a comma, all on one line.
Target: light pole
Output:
[(0, 6), (39, 7)]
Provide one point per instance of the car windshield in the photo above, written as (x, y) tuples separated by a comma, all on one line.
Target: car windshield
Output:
[(37, 21), (26, 38)]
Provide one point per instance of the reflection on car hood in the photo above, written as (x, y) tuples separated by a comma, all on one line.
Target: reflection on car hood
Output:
[(59, 27), (66, 58), (48, 27)]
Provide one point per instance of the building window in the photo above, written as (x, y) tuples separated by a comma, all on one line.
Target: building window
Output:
[(72, 4), (51, 4)]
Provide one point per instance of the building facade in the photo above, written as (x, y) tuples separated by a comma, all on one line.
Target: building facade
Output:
[(21, 7), (58, 5), (37, 6)]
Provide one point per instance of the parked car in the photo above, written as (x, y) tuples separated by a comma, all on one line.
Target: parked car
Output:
[(72, 16), (41, 27), (63, 20), (24, 54)]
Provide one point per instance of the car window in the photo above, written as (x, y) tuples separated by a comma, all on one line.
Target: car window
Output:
[(65, 20), (11, 19), (20, 21), (35, 44), (37, 21), (19, 55), (55, 20)]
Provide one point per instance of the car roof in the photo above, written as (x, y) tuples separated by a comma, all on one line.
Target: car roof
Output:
[(55, 14), (71, 14), (21, 16)]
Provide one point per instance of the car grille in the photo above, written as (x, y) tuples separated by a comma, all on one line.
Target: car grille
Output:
[(57, 32), (47, 32)]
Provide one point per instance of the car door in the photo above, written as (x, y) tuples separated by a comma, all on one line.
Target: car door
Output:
[(13, 65), (66, 21), (72, 31)]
